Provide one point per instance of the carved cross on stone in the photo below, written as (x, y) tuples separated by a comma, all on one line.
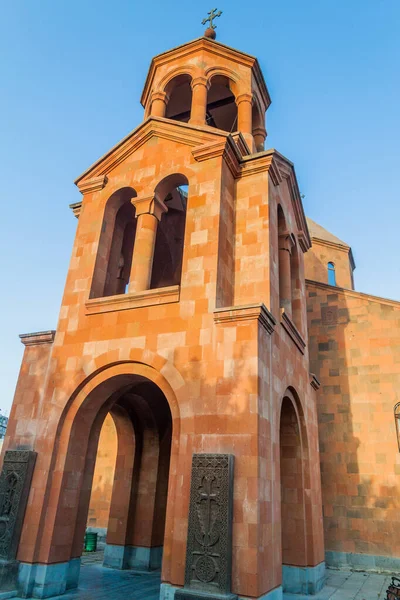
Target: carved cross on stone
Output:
[(209, 544)]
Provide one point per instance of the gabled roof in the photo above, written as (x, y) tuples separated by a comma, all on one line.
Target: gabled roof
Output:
[(320, 233), (317, 232)]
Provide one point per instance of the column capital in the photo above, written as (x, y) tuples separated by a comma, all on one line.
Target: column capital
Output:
[(163, 96), (201, 80), (149, 205), (261, 131), (286, 241), (244, 98)]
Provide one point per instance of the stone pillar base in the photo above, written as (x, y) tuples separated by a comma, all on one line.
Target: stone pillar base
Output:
[(45, 581), (8, 575), (132, 557), (170, 592), (303, 580)]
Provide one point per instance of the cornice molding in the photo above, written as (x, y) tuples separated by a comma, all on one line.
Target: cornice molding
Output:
[(314, 382), (292, 331), (257, 163), (331, 289), (225, 148), (38, 338), (184, 133), (321, 242), (342, 247), (95, 184), (287, 172), (241, 144), (249, 312), (133, 300), (302, 239), (76, 208)]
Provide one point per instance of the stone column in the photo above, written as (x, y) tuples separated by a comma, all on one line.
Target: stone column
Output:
[(159, 101), (244, 104), (148, 213), (199, 101), (285, 283), (259, 135)]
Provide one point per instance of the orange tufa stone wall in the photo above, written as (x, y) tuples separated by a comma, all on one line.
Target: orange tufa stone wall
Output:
[(203, 365), (355, 352), (103, 477)]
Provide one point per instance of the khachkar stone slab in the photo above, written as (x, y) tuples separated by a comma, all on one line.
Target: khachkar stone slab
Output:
[(209, 543), (15, 481)]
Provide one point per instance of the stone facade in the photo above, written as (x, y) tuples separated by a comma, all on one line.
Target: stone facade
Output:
[(354, 342), (187, 319)]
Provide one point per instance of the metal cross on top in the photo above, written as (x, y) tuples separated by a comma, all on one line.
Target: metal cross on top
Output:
[(211, 16)]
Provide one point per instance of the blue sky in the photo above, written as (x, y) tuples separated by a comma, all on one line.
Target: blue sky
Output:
[(72, 72)]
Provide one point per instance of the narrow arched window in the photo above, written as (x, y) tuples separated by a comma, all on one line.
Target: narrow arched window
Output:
[(331, 274), (397, 422)]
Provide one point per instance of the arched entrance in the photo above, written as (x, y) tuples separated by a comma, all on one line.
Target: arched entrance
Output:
[(295, 496), (136, 523), (144, 410)]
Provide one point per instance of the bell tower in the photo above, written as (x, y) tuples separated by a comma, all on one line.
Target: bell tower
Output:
[(205, 83), (184, 318)]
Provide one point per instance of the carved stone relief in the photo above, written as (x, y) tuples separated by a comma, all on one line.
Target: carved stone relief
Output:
[(15, 481), (209, 543)]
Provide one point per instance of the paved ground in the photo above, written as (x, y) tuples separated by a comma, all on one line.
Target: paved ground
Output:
[(347, 585), (99, 583)]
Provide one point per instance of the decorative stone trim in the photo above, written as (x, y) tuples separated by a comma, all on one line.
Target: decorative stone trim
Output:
[(260, 131), (286, 241), (292, 330), (241, 144), (210, 150), (38, 338), (133, 300), (160, 96), (314, 382), (286, 169), (201, 80), (225, 148), (249, 312), (76, 208), (302, 241), (95, 184), (352, 293), (149, 205), (244, 98), (259, 162), (176, 131)]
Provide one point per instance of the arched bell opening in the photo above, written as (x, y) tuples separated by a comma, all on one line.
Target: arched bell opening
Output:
[(221, 111), (179, 93), (168, 251), (115, 249)]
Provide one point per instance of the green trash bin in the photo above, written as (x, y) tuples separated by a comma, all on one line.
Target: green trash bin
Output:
[(90, 542)]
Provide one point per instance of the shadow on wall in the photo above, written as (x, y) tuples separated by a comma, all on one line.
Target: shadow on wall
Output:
[(357, 360)]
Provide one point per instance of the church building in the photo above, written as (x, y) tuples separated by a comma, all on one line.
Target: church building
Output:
[(217, 399)]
